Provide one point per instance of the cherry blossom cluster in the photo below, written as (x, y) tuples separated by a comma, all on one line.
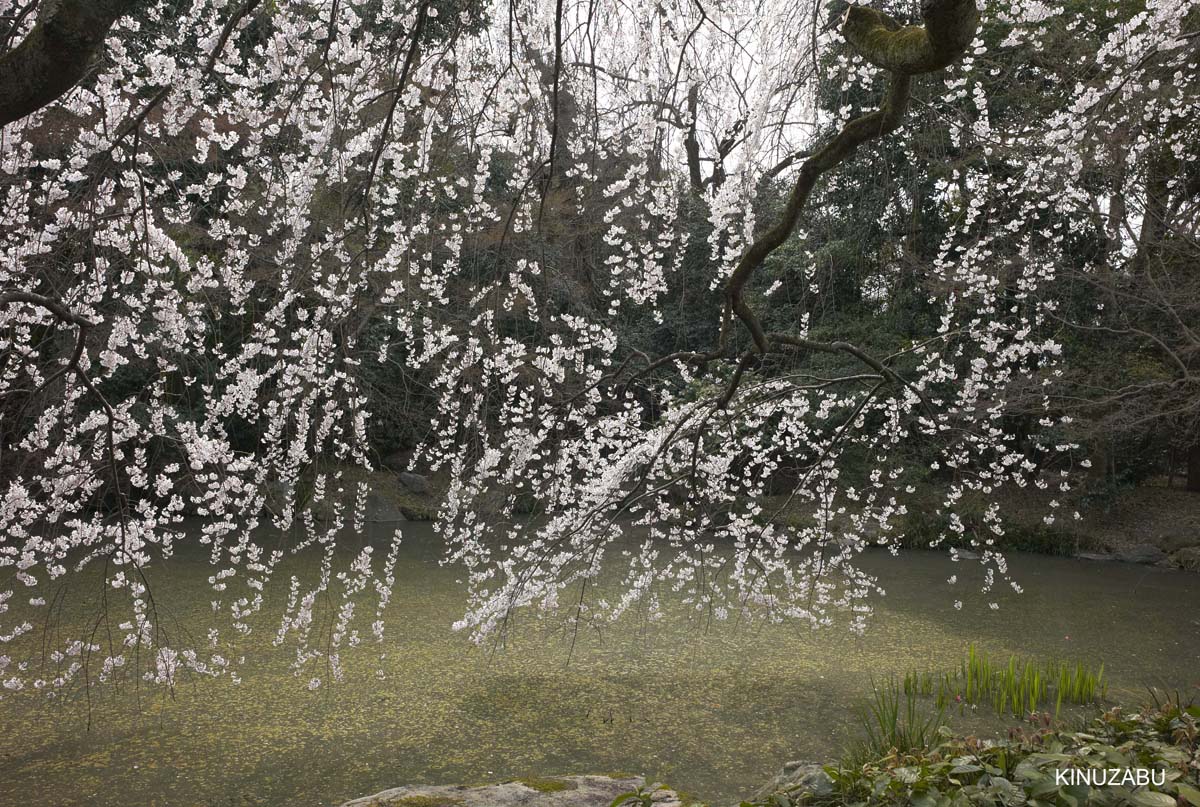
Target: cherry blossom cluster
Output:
[(242, 194)]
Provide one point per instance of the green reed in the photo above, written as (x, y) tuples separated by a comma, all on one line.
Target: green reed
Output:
[(1018, 686), (894, 720)]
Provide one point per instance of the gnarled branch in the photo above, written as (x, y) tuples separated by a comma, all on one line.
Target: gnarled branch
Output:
[(950, 26)]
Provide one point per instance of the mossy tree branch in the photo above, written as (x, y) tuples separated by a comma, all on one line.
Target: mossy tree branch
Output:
[(949, 26)]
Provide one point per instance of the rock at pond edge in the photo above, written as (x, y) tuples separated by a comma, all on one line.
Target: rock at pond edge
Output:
[(381, 510), (1096, 556), (557, 791), (1142, 553), (1188, 558), (415, 482), (806, 776)]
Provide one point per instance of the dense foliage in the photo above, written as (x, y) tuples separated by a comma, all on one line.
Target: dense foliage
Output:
[(1160, 742)]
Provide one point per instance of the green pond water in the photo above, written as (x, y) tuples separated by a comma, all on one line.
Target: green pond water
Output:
[(713, 712)]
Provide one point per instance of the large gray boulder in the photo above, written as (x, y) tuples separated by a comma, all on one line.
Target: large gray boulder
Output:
[(558, 791), (415, 483), (1142, 553), (1096, 556), (381, 510)]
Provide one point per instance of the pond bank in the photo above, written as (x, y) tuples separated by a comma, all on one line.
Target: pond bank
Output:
[(1148, 525), (557, 791), (1149, 757)]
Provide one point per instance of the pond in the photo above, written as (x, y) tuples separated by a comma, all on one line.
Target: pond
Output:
[(712, 712)]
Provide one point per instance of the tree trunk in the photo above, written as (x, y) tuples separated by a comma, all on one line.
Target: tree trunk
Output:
[(1193, 468), (55, 54)]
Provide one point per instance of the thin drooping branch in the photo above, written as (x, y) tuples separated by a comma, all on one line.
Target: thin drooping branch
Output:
[(65, 314), (410, 61), (56, 54)]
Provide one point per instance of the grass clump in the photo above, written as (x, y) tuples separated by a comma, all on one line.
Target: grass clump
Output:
[(895, 720), (1018, 686), (414, 507)]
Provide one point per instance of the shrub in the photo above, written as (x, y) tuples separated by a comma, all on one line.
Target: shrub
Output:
[(968, 771)]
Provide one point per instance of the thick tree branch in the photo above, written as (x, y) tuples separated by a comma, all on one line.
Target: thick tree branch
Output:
[(852, 135), (56, 53), (691, 145), (48, 303), (950, 26)]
